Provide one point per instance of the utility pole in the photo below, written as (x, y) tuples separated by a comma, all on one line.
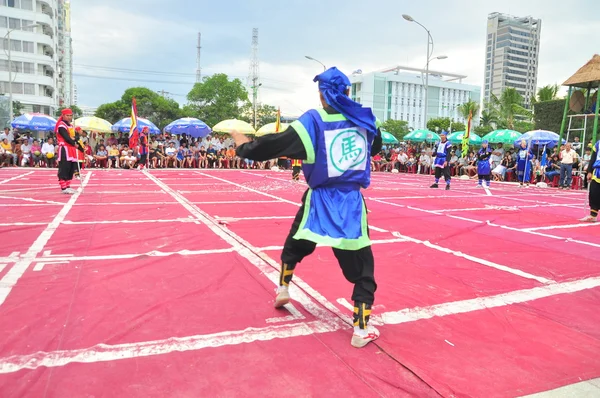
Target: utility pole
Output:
[(198, 67), (253, 77)]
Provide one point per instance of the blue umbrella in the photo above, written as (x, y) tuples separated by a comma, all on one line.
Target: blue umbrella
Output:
[(190, 126), (539, 137), (124, 125), (34, 122)]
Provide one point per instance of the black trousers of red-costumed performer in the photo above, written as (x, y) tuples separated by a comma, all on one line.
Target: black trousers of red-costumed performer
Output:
[(358, 267), (66, 170)]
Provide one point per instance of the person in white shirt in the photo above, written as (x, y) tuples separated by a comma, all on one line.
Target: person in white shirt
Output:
[(567, 158), (26, 151), (48, 148)]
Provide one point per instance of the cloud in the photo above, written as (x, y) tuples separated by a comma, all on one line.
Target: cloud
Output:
[(161, 36)]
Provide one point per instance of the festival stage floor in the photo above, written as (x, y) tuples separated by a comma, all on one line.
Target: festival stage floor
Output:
[(161, 284)]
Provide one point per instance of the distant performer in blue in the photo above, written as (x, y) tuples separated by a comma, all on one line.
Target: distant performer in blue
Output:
[(524, 156), (335, 145), (483, 164), (442, 161)]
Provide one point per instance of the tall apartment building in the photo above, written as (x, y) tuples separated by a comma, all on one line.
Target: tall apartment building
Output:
[(512, 53), (40, 53), (398, 93)]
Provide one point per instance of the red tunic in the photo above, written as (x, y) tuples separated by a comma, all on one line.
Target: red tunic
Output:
[(71, 150)]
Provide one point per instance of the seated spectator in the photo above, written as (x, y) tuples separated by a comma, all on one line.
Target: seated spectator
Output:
[(113, 156), (25, 153), (36, 152), (49, 153), (101, 156)]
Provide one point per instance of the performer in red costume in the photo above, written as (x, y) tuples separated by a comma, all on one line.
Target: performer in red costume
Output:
[(67, 150)]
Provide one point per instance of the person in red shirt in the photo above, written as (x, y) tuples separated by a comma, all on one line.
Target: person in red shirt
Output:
[(67, 150)]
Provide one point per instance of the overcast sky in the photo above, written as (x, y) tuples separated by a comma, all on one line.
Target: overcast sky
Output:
[(153, 35)]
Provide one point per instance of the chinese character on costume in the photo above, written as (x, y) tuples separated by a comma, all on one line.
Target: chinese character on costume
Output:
[(68, 146), (524, 156), (593, 175), (335, 145), (442, 160), (483, 164)]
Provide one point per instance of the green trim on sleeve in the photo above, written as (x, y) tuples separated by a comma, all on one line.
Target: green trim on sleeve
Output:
[(306, 141), (326, 117)]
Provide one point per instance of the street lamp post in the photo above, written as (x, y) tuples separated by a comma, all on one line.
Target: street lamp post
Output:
[(10, 82), (429, 59), (316, 60)]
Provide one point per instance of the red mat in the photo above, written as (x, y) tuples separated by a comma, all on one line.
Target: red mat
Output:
[(122, 307)]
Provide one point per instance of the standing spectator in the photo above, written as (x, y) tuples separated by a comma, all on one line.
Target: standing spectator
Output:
[(567, 158)]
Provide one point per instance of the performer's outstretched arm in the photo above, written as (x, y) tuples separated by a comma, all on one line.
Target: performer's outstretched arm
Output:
[(273, 146)]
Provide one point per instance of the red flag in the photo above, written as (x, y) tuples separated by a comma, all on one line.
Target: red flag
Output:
[(133, 131)]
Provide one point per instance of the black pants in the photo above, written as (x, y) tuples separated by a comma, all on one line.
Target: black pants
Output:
[(66, 169), (358, 266), (594, 197), (485, 177), (296, 172), (143, 159), (445, 171)]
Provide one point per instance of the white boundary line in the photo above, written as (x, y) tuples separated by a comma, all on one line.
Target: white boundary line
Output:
[(481, 303), (16, 272), (104, 352), (16, 177)]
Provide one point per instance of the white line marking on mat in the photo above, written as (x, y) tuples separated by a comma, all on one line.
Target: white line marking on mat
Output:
[(481, 303), (475, 259), (16, 272), (16, 177), (562, 226)]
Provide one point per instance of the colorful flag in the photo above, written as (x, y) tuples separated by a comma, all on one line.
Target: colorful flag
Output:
[(467, 136), (278, 122), (133, 131)]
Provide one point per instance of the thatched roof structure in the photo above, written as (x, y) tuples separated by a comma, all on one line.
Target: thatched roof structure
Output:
[(588, 73)]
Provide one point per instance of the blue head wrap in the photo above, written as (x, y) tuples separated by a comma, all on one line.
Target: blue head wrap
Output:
[(444, 132), (333, 85), (484, 142)]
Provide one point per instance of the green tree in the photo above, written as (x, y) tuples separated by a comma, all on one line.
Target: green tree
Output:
[(159, 110), (265, 114), (546, 93), (17, 108), (77, 112), (217, 98), (488, 118), (443, 124), (509, 108), (398, 128), (469, 107)]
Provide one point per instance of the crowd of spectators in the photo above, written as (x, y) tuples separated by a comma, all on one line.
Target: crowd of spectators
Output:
[(166, 151)]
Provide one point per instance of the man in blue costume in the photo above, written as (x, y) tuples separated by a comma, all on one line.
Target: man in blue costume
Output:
[(442, 161), (483, 164), (524, 156), (335, 145)]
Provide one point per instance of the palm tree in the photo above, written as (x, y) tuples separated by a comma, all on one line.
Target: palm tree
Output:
[(488, 118), (546, 93), (470, 107), (509, 107)]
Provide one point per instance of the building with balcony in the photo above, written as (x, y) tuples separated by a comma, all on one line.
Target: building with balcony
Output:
[(512, 53), (39, 52), (398, 93)]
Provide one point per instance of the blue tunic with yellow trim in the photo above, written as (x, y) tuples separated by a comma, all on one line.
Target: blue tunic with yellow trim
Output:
[(337, 166)]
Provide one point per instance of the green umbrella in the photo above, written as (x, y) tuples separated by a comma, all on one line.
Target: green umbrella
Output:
[(457, 137), (388, 138), (422, 135), (502, 136)]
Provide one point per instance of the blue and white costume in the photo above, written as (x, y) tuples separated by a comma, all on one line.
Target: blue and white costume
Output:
[(524, 157), (484, 168), (442, 161)]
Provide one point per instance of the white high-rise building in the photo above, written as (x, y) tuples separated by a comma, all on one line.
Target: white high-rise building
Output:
[(398, 93), (40, 55), (512, 53)]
